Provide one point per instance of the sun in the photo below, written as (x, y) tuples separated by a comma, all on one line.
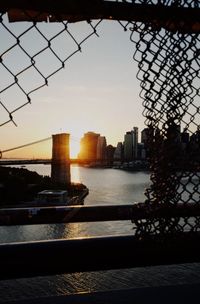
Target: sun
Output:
[(74, 149)]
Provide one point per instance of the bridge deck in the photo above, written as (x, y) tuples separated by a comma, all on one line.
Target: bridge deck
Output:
[(5, 162)]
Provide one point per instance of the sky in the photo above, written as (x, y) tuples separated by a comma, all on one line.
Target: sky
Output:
[(97, 91)]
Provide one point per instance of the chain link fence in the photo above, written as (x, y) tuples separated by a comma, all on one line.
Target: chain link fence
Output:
[(168, 60), (168, 63), (30, 56)]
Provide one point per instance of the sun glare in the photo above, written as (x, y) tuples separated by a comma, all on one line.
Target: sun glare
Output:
[(74, 149)]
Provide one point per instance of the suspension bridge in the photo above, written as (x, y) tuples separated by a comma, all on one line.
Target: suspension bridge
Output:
[(24, 161), (10, 162)]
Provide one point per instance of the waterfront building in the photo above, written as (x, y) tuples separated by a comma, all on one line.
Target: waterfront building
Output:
[(131, 145), (144, 136), (128, 147), (110, 154), (135, 142), (174, 133), (88, 146), (147, 135), (101, 148), (141, 151), (118, 154)]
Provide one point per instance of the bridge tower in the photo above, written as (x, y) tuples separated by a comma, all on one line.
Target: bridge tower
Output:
[(60, 165)]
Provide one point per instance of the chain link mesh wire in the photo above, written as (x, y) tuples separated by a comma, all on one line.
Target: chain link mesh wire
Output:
[(25, 69), (168, 62)]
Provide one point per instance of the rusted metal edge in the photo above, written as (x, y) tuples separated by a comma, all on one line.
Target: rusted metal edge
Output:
[(172, 18)]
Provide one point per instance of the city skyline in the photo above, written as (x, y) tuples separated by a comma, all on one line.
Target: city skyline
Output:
[(132, 140), (73, 153)]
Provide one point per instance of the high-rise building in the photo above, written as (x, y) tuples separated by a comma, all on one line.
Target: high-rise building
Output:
[(88, 146), (131, 144), (144, 136), (118, 154), (173, 133), (135, 142), (128, 146), (147, 137), (110, 154), (101, 148), (141, 151)]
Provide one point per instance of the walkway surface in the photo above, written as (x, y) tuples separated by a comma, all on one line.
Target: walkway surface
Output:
[(159, 284), (156, 295)]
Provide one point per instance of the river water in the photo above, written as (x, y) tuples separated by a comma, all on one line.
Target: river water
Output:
[(106, 186)]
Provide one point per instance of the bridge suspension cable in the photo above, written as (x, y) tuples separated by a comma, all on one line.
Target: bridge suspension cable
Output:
[(25, 145), (32, 143)]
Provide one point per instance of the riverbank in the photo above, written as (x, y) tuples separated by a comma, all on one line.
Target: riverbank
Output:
[(20, 187)]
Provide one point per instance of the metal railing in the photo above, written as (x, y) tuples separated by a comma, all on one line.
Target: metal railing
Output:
[(52, 257), (76, 214), (18, 260)]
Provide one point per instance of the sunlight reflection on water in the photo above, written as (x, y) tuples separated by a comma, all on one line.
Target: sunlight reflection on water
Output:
[(106, 186)]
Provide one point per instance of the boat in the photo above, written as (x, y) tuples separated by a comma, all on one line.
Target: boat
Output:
[(54, 197)]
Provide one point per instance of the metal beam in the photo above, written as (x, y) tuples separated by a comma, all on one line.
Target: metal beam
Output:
[(94, 254), (172, 18), (70, 214), (64, 214)]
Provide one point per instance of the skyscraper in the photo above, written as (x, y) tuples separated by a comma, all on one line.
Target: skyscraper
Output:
[(135, 142), (118, 154), (101, 148), (128, 146), (145, 135), (110, 150), (131, 144), (88, 146)]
